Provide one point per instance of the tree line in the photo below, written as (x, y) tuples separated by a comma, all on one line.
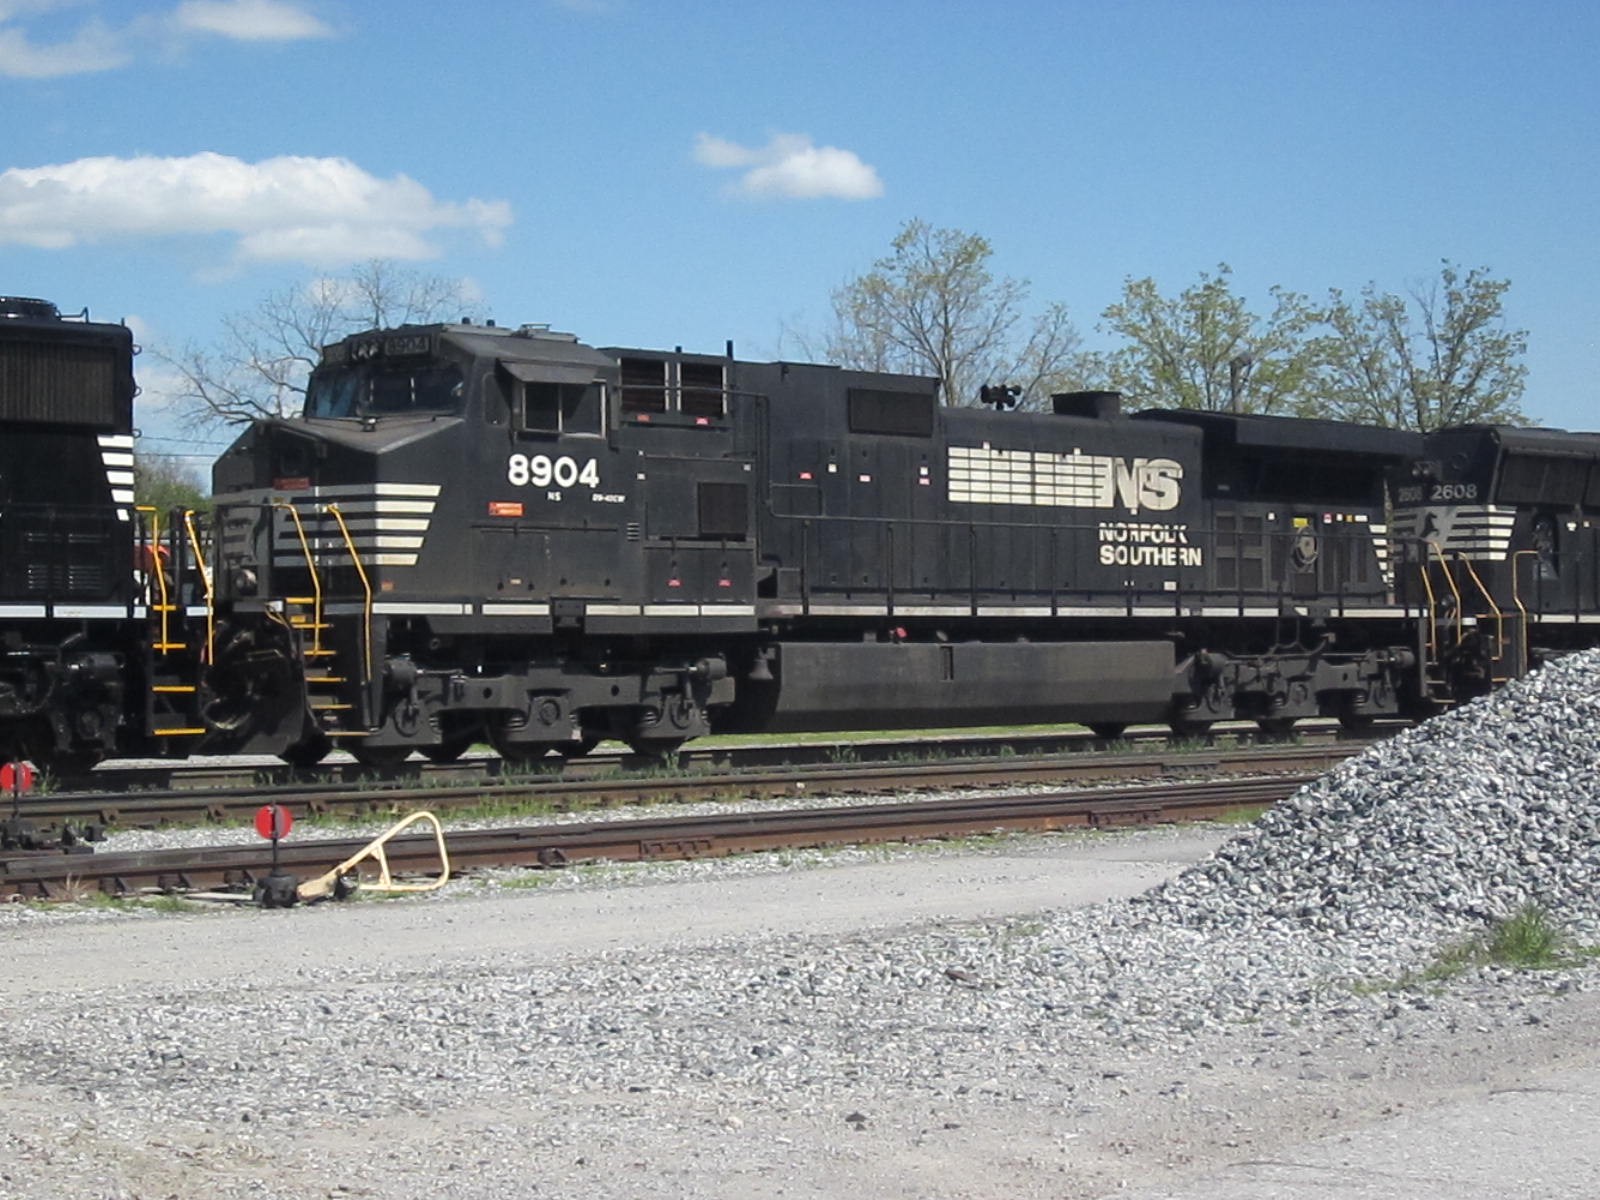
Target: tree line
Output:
[(1440, 354)]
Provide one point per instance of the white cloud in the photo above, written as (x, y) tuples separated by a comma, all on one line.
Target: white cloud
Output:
[(790, 167), (319, 211), (92, 48), (249, 20), (97, 46)]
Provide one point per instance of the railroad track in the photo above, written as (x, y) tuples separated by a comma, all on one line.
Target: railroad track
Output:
[(218, 774), (240, 868), (93, 811)]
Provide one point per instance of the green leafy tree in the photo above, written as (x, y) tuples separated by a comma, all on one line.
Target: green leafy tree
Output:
[(263, 358), (1205, 349), (165, 482), (932, 306), (1442, 355)]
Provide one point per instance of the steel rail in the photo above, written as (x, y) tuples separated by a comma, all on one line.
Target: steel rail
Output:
[(641, 839), (147, 810), (180, 775)]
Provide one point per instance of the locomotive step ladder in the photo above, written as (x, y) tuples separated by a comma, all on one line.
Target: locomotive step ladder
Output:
[(173, 667), (327, 682), (1468, 613)]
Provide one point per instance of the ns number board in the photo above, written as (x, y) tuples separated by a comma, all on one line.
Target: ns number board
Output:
[(558, 474), (1436, 493), (540, 470)]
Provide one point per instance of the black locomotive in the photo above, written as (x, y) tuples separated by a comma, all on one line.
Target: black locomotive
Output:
[(112, 641), (505, 533), (67, 591), (476, 532), (1497, 528)]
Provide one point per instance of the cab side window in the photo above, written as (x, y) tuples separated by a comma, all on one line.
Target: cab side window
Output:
[(555, 408), (551, 400)]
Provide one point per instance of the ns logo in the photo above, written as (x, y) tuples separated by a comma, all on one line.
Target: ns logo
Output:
[(1153, 483)]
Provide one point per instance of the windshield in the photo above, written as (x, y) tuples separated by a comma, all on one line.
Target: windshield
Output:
[(380, 390)]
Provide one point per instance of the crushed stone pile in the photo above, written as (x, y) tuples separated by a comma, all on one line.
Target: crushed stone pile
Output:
[(1466, 818)]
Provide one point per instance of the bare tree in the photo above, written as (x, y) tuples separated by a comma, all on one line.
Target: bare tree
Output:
[(932, 306), (1205, 349), (1444, 356), (263, 358)]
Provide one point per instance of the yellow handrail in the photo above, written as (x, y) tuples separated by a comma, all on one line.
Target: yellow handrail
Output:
[(1454, 590), (1433, 622), (165, 606), (366, 584), (311, 566), (1516, 598), (1499, 617), (205, 578)]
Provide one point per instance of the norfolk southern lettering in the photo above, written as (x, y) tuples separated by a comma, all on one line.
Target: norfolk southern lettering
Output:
[(1136, 544)]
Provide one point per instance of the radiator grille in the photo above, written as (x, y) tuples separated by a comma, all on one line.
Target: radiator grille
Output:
[(907, 414), (61, 382), (52, 554)]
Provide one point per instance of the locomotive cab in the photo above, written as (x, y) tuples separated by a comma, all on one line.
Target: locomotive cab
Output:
[(476, 525), (1497, 528)]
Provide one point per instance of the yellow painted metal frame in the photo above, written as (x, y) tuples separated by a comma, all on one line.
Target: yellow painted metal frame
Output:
[(323, 886)]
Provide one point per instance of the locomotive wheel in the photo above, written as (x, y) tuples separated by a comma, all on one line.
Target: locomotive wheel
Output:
[(656, 749), (517, 752), (522, 755), (308, 751), (1108, 731), (1354, 719), (578, 747), (381, 758), (70, 764), (450, 750), (1187, 727), (1275, 726)]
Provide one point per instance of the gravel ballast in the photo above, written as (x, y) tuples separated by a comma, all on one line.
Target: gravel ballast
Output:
[(1259, 995)]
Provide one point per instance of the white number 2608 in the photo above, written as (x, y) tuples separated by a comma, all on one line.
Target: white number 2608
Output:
[(541, 471)]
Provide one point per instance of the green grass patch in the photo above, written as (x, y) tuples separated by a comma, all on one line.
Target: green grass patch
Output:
[(1247, 814), (1527, 940), (527, 880), (168, 904)]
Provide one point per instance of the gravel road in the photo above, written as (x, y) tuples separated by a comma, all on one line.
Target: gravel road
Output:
[(867, 1023), (1172, 1013)]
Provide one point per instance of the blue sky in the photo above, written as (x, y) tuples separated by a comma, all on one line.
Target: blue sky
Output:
[(657, 174)]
